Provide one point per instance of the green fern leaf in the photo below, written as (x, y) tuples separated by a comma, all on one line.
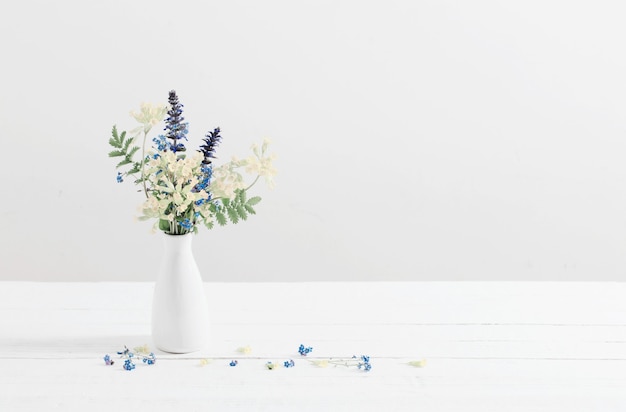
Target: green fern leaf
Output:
[(253, 200), (233, 215), (242, 212), (135, 169), (226, 202), (241, 196), (123, 162), (116, 141), (221, 219), (249, 209), (127, 144), (132, 152), (116, 153)]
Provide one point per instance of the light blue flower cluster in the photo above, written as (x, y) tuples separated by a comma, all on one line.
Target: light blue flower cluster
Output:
[(128, 365), (119, 177), (108, 360), (364, 363), (186, 224), (160, 143), (304, 351), (289, 363), (207, 173), (148, 359)]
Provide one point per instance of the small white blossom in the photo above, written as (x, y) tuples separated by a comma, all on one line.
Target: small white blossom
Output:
[(178, 198), (148, 115)]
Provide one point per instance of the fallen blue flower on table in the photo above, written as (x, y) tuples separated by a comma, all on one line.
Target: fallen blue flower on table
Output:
[(128, 365), (304, 351)]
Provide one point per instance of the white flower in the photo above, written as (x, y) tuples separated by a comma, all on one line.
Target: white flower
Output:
[(178, 198), (225, 181), (149, 115), (263, 167), (150, 208)]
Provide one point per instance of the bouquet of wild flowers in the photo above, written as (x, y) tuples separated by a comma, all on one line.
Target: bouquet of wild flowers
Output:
[(185, 190)]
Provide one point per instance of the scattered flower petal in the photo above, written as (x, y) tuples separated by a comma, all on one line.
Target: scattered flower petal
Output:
[(246, 350), (320, 363), (418, 364), (142, 349)]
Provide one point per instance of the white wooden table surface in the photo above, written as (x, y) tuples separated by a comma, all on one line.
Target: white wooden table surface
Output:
[(489, 346)]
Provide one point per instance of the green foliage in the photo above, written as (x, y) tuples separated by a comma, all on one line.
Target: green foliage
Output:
[(221, 219), (122, 146), (164, 225), (135, 169), (234, 210), (232, 214), (209, 225), (237, 208)]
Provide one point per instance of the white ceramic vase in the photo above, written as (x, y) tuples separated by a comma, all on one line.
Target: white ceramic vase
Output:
[(180, 316)]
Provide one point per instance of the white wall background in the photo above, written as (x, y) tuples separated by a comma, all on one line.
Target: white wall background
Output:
[(417, 140)]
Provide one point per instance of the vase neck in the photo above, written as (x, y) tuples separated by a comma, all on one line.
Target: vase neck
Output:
[(177, 243)]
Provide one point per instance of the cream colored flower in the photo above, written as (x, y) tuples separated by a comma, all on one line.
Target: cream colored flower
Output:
[(266, 143), (246, 350), (149, 115), (142, 349), (263, 167), (168, 158), (150, 207), (255, 149), (418, 364), (320, 363), (177, 198), (153, 163), (225, 181)]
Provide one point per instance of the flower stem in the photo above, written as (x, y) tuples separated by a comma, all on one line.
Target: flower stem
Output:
[(253, 183), (143, 162)]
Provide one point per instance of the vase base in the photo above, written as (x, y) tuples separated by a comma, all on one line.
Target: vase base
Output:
[(178, 350), (176, 346)]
